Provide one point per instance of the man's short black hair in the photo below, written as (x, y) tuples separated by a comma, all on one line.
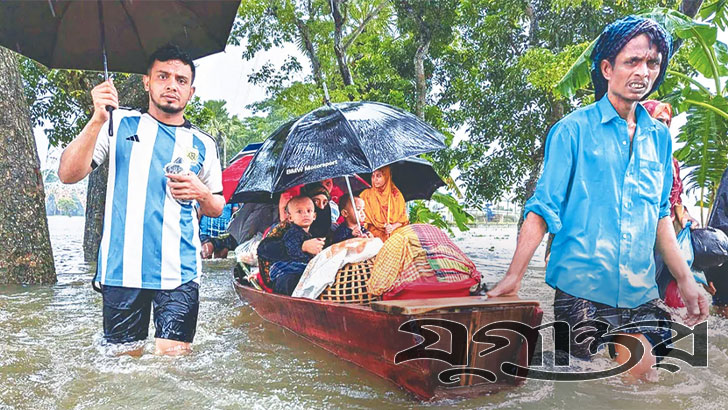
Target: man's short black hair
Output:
[(171, 52)]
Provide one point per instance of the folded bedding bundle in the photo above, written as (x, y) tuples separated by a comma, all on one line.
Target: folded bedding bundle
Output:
[(420, 260)]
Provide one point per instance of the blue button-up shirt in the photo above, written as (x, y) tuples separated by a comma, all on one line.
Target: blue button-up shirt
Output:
[(602, 203)]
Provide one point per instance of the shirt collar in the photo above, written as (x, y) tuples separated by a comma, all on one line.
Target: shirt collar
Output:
[(608, 113), (606, 109), (185, 124)]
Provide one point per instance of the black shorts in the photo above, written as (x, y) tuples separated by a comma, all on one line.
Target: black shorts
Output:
[(127, 311), (573, 310)]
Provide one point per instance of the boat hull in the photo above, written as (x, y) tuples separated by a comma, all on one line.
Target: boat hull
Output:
[(373, 339)]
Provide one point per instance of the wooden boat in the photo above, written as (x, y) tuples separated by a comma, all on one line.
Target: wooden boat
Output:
[(436, 334)]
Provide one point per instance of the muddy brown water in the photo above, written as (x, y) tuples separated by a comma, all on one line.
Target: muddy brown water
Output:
[(51, 355)]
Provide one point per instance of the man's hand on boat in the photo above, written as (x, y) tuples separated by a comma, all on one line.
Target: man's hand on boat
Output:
[(508, 286), (313, 246)]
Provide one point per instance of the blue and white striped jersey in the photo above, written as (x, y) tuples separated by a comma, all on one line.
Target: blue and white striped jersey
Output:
[(149, 239)]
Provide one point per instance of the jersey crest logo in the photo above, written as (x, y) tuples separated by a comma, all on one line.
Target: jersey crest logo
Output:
[(191, 154)]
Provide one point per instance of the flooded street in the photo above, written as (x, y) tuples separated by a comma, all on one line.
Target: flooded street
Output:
[(51, 354)]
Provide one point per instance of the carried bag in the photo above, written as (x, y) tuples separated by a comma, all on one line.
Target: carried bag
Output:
[(710, 248)]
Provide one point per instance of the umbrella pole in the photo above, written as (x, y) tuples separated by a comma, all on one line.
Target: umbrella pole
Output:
[(353, 204), (106, 67)]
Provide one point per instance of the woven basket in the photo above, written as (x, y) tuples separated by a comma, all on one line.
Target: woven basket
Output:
[(350, 285)]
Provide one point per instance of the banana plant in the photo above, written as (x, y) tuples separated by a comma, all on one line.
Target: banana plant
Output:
[(705, 153), (421, 213)]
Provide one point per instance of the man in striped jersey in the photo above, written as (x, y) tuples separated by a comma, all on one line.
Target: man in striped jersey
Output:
[(150, 248)]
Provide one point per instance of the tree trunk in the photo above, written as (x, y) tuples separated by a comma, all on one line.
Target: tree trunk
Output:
[(25, 246), (339, 49), (131, 94), (423, 47), (95, 206), (310, 51), (690, 7)]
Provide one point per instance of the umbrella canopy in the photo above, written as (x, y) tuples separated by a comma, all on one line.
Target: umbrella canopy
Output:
[(67, 34), (335, 140), (414, 177), (231, 175), (251, 219)]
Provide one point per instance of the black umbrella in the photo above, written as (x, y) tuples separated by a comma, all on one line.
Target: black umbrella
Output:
[(80, 34), (331, 141), (67, 34), (251, 219), (414, 177)]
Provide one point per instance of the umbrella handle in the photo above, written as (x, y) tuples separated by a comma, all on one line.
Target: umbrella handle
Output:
[(353, 203), (110, 109), (102, 31)]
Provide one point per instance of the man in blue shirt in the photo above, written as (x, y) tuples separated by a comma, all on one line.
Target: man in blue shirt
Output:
[(604, 194)]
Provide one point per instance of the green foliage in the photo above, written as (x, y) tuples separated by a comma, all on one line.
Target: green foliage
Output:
[(420, 212), (706, 150), (60, 100), (547, 68), (715, 11), (66, 206), (577, 76), (460, 216), (56, 99)]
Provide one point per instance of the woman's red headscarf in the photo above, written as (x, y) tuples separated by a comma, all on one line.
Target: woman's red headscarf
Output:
[(657, 109)]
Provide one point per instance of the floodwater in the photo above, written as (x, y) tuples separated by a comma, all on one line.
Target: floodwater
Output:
[(51, 355)]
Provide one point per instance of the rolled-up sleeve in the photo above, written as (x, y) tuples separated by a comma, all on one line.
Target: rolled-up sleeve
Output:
[(548, 198), (668, 179)]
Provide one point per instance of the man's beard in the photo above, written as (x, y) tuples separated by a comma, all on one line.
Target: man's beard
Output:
[(169, 109)]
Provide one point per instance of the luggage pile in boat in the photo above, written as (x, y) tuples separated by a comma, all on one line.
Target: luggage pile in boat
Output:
[(417, 261)]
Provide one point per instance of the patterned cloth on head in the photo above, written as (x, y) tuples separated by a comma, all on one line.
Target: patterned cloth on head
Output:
[(419, 253), (613, 39), (655, 108), (383, 206)]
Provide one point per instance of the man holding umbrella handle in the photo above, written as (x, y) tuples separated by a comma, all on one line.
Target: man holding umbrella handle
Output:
[(150, 248)]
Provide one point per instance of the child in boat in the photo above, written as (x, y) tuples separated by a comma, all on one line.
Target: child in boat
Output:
[(350, 228), (321, 226), (291, 252)]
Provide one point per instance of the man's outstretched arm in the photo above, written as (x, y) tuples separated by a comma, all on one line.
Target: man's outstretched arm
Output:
[(530, 236)]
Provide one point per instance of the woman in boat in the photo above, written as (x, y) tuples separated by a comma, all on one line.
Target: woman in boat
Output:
[(384, 205), (321, 226), (335, 194)]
